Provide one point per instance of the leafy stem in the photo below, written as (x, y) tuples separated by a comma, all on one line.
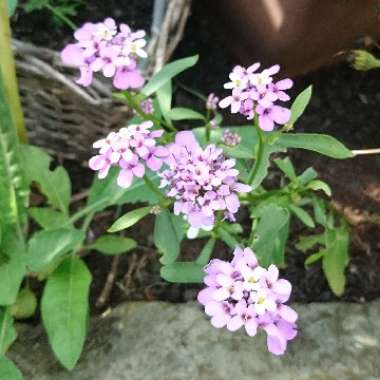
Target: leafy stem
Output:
[(136, 106), (259, 155), (162, 200), (60, 15)]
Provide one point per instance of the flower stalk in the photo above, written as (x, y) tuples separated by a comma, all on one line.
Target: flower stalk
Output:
[(8, 71)]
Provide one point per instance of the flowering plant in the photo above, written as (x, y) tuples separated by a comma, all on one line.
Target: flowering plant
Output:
[(208, 183)]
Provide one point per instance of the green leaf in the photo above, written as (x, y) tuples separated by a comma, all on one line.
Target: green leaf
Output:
[(204, 256), (308, 175), (14, 191), (183, 272), (8, 371), (271, 232), (25, 305), (323, 144), (319, 211), (335, 260), (238, 152), (64, 309), (228, 238), (164, 98), (168, 72), (307, 242), (54, 184), (11, 5), (106, 192), (302, 215), (180, 113), (7, 331), (286, 166), (48, 218), (129, 219), (46, 246), (320, 185), (12, 270), (300, 103), (314, 258), (167, 236), (113, 244)]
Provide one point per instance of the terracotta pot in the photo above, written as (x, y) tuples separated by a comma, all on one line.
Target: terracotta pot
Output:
[(299, 34)]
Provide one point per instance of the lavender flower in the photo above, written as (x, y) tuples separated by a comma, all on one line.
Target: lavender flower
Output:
[(255, 93), (202, 181), (230, 138), (212, 102), (147, 106), (132, 148), (241, 293), (105, 47)]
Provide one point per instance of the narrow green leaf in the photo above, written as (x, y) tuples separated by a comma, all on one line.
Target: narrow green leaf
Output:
[(48, 218), (335, 260), (180, 113), (129, 219), (320, 185), (286, 166), (54, 184), (164, 98), (14, 191), (167, 236), (7, 331), (319, 211), (300, 103), (168, 72), (183, 272), (238, 152), (46, 246), (8, 371), (64, 309), (204, 256), (227, 237), (113, 244), (323, 144), (308, 175), (302, 215), (314, 258), (307, 242)]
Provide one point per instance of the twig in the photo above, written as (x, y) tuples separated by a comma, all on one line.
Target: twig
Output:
[(365, 151), (104, 295)]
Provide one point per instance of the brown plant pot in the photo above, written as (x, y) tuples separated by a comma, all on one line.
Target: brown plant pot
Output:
[(301, 35)]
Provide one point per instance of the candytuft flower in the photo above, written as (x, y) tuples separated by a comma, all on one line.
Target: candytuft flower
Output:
[(202, 181), (230, 138), (255, 93), (108, 48), (131, 149), (241, 293)]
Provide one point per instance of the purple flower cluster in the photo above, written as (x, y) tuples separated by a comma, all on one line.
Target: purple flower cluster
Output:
[(255, 93), (130, 149), (242, 293), (202, 181), (107, 48)]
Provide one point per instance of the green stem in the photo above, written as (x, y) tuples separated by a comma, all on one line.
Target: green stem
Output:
[(8, 70), (259, 155), (3, 327), (208, 127), (162, 200), (136, 106), (61, 16)]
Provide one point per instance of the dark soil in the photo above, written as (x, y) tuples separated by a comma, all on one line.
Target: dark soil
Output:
[(345, 104)]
